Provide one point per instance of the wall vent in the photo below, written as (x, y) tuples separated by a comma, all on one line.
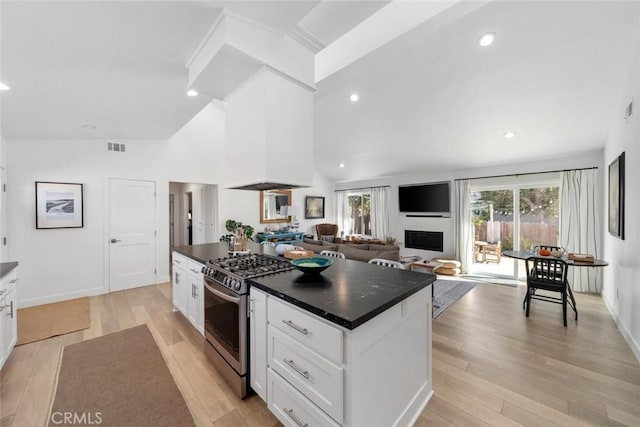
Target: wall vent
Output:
[(628, 111), (115, 146)]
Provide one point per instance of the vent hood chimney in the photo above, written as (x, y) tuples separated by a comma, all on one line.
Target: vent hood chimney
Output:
[(269, 134), (266, 81)]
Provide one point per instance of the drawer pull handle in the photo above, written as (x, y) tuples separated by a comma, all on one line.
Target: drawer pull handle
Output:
[(296, 327), (296, 368), (12, 281), (294, 418), (2, 291)]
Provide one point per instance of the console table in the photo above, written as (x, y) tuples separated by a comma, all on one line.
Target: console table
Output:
[(277, 238)]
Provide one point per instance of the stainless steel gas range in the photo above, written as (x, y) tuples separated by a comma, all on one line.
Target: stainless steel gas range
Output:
[(225, 311)]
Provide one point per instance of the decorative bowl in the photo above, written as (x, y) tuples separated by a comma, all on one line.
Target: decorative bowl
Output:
[(312, 265)]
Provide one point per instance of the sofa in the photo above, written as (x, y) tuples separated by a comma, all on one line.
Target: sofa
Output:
[(356, 251)]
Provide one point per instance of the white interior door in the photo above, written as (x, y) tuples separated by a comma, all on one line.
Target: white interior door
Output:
[(132, 233)]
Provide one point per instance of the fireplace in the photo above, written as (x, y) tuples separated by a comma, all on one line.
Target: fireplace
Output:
[(425, 240)]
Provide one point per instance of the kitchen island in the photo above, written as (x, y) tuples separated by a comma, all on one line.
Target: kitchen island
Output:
[(350, 346)]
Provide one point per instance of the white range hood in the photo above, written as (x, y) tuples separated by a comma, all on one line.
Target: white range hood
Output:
[(265, 80)]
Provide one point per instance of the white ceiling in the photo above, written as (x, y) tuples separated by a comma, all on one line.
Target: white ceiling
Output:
[(429, 100)]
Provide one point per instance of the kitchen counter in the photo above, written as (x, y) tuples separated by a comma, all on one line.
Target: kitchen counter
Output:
[(348, 293), (6, 267), (207, 251)]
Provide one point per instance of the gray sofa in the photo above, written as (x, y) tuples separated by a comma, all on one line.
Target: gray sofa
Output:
[(356, 251)]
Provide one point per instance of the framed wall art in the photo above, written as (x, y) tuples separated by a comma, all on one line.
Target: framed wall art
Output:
[(313, 207), (616, 197), (59, 205)]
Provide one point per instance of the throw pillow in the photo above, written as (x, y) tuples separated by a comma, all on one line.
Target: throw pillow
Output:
[(328, 238)]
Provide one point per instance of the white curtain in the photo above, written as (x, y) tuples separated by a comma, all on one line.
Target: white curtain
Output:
[(463, 224), (580, 225), (341, 206), (380, 213)]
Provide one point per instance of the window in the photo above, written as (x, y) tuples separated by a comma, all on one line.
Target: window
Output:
[(358, 214)]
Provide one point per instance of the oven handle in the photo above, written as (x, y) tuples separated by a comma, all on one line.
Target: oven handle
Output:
[(235, 300)]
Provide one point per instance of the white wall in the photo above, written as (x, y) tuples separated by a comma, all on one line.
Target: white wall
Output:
[(60, 264), (621, 292), (400, 222)]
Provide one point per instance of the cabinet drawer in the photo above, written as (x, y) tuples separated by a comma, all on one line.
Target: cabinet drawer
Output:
[(194, 269), (291, 407), (320, 380), (179, 260), (8, 281), (314, 333)]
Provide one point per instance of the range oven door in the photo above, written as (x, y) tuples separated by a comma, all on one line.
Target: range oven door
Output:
[(225, 324)]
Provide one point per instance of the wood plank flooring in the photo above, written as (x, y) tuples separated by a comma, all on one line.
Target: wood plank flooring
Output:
[(491, 365)]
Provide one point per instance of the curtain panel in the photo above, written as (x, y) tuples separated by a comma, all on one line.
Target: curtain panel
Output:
[(463, 236), (380, 213), (341, 208), (580, 225)]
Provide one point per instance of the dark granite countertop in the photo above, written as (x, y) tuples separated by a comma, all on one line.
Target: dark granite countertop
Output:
[(207, 251), (348, 293), (6, 267)]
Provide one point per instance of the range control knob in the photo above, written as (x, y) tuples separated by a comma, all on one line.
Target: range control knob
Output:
[(236, 286)]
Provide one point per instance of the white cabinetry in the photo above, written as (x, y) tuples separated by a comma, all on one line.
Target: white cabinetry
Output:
[(8, 318), (188, 289), (320, 374), (258, 342)]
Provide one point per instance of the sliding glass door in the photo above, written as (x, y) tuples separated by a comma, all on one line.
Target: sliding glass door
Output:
[(512, 216)]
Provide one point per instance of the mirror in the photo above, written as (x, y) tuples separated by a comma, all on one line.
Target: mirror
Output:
[(273, 206)]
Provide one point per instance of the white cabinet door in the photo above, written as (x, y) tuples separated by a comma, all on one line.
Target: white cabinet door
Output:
[(10, 324), (258, 342), (8, 319), (195, 302), (181, 285)]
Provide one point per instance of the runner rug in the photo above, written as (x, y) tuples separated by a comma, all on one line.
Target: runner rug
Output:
[(119, 379)]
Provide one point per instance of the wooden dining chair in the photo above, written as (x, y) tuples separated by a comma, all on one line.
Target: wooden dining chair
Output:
[(548, 274)]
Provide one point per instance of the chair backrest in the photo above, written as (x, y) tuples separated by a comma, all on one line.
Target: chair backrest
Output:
[(386, 263), (546, 271), (332, 254), (326, 230)]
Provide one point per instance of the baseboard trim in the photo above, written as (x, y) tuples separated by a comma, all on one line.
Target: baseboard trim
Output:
[(635, 348), (60, 297), (412, 412)]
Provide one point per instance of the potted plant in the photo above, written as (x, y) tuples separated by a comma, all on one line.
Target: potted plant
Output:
[(238, 230)]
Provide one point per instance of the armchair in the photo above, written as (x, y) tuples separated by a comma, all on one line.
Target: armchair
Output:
[(327, 232)]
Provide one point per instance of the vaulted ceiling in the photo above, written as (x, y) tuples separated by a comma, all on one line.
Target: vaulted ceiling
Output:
[(430, 99)]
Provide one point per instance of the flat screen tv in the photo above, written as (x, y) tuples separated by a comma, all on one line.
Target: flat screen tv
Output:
[(425, 199)]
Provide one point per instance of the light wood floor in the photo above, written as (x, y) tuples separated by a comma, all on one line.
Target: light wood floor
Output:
[(491, 365)]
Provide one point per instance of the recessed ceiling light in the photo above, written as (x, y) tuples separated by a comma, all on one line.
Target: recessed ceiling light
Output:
[(509, 135), (3, 86), (354, 97), (486, 39), (192, 93), (91, 127), (341, 165)]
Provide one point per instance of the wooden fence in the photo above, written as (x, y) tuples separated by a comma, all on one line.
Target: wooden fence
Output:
[(530, 234)]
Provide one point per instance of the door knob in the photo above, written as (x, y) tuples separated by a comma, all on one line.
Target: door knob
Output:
[(115, 240)]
